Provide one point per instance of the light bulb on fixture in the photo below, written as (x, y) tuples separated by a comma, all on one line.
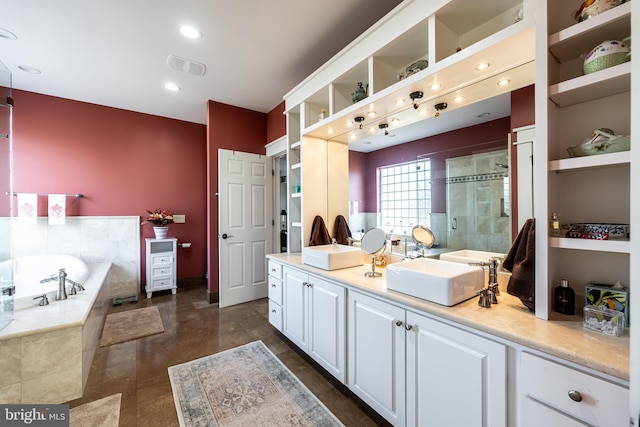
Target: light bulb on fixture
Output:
[(384, 126), (440, 107), (359, 119), (415, 95)]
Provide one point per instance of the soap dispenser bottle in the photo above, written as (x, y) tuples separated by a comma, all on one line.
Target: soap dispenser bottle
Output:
[(554, 225), (565, 298)]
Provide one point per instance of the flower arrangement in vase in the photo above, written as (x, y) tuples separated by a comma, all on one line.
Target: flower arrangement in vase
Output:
[(160, 220)]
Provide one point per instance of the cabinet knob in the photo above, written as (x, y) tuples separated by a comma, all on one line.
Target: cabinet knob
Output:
[(575, 395), (408, 327), (398, 322)]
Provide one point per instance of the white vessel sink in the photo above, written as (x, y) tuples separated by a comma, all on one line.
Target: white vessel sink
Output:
[(332, 257), (442, 282), (466, 256)]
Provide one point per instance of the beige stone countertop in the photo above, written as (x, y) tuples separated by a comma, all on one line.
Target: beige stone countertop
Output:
[(561, 336)]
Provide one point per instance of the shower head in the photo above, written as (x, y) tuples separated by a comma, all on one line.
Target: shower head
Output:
[(502, 165)]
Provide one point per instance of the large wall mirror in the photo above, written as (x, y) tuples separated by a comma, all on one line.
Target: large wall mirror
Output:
[(451, 174)]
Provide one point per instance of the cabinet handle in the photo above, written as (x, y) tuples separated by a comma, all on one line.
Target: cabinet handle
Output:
[(273, 270), (575, 395), (398, 322), (273, 311), (273, 285)]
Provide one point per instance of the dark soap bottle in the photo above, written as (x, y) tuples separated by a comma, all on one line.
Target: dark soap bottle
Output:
[(565, 298)]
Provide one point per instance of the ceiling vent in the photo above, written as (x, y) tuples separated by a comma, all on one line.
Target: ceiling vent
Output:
[(186, 65)]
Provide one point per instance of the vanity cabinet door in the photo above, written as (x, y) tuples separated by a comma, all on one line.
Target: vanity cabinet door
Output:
[(376, 349), (295, 314), (326, 344), (454, 377)]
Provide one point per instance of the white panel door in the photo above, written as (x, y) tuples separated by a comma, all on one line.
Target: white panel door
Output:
[(244, 224)]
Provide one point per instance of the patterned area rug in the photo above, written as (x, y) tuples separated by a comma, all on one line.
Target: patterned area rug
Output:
[(130, 325), (244, 386)]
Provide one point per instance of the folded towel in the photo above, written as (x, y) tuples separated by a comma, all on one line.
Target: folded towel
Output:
[(341, 230), (319, 233), (520, 261)]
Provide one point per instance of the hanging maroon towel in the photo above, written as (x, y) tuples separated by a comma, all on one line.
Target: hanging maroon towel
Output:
[(319, 233), (341, 230), (520, 261)]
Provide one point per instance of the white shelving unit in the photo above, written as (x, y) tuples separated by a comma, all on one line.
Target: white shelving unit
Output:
[(453, 36), (592, 189)]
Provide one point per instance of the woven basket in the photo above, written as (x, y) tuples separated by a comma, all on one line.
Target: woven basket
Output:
[(605, 62)]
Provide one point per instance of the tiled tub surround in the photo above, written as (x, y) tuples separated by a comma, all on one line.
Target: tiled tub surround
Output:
[(46, 352), (115, 239)]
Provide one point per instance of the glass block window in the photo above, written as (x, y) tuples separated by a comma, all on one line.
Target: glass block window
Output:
[(404, 196)]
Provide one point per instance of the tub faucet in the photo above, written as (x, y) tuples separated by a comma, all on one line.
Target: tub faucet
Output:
[(75, 287), (61, 278)]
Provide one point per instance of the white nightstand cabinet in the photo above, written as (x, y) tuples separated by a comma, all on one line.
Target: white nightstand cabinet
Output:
[(161, 265)]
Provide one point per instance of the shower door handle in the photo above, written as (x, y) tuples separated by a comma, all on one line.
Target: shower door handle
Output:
[(454, 223)]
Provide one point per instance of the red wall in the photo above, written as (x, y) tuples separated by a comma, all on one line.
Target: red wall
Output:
[(122, 161), (276, 123), (231, 128)]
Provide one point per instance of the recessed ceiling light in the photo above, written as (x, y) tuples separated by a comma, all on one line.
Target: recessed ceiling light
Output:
[(459, 98), (371, 114), (348, 122), (190, 32), (399, 101), (29, 69), (171, 86), (353, 136), (482, 66), (484, 115), (436, 86), (395, 120), (372, 129), (6, 34), (503, 82), (330, 131), (423, 110)]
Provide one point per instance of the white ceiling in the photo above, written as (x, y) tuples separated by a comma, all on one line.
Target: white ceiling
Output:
[(114, 52)]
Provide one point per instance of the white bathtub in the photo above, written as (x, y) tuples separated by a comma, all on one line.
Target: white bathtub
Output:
[(28, 271)]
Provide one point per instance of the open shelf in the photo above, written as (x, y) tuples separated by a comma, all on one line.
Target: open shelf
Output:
[(571, 42), (597, 161), (618, 246), (609, 81)]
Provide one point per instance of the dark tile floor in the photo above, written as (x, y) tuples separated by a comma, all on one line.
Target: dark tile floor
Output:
[(194, 329)]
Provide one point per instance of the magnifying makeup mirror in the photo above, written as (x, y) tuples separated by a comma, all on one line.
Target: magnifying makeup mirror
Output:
[(373, 243), (423, 237)]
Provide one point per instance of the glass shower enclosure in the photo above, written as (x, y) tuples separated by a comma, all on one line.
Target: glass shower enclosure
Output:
[(6, 197)]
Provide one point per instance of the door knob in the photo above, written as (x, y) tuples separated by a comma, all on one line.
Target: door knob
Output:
[(226, 236)]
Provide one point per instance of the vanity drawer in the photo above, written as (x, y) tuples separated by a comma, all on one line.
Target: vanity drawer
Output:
[(603, 403), (275, 290), (275, 269), (275, 315), (165, 258), (162, 270)]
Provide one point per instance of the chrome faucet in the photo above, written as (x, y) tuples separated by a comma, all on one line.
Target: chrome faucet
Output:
[(489, 294), (61, 278)]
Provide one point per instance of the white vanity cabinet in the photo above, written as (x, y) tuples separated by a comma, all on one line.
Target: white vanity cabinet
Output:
[(557, 395), (161, 265), (275, 294), (450, 376), (314, 318)]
